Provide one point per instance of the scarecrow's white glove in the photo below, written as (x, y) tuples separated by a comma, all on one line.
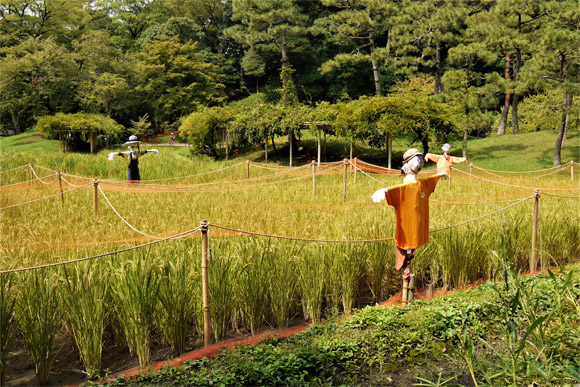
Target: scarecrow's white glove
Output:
[(380, 195), (111, 155), (155, 151)]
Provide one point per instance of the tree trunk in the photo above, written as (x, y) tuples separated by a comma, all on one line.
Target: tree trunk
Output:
[(558, 150), (274, 144), (567, 125), (506, 106), (389, 146), (376, 76), (15, 121), (283, 49), (438, 83), (515, 125), (425, 143), (266, 150)]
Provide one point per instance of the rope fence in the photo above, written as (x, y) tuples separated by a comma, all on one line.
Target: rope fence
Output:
[(45, 197)]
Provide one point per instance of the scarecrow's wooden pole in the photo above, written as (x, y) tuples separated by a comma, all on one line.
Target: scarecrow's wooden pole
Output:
[(411, 295), (205, 283), (247, 169), (405, 291)]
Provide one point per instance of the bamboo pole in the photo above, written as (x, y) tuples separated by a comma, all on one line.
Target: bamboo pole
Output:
[(345, 162), (319, 148), (60, 187), (248, 169), (405, 291), (96, 197), (314, 177), (205, 283), (411, 292), (355, 168), (535, 231)]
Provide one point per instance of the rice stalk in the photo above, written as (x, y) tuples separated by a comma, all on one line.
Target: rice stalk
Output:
[(38, 313), (311, 274), (7, 324), (282, 283), (351, 268), (177, 299), (135, 292), (222, 283), (85, 289)]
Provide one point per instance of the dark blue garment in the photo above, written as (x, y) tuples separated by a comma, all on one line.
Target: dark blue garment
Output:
[(133, 170)]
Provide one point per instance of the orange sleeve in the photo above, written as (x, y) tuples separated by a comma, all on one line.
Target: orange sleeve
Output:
[(394, 196), (430, 183), (455, 160)]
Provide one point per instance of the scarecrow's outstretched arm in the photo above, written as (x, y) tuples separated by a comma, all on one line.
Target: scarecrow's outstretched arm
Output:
[(113, 154), (380, 195)]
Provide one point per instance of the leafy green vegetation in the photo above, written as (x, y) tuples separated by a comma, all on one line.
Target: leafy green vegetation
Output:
[(493, 334)]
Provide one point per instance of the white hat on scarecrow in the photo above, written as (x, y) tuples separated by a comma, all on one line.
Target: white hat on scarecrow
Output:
[(132, 141), (413, 161)]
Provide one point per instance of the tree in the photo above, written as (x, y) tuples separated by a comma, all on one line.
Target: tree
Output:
[(74, 127), (207, 131), (467, 89), (356, 25), (177, 79), (508, 29), (424, 31), (36, 78), (556, 63)]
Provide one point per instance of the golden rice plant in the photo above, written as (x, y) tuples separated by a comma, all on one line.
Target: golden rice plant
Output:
[(7, 323), (38, 312)]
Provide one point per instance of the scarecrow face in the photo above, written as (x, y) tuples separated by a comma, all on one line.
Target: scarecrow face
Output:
[(414, 165)]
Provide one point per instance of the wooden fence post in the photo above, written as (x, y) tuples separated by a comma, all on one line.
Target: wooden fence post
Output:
[(96, 197), (471, 170), (355, 168), (31, 166), (205, 283), (535, 231), (344, 178), (248, 169), (60, 186), (314, 177)]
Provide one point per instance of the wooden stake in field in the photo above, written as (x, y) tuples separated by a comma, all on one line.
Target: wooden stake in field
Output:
[(471, 170), (59, 176), (31, 166), (344, 178), (205, 283), (248, 169), (355, 168), (405, 293), (535, 231), (96, 197), (411, 292), (449, 178), (313, 178)]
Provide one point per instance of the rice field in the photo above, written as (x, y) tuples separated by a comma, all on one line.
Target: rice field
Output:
[(280, 252)]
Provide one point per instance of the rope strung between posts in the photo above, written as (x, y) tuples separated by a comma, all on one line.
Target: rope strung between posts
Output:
[(478, 202), (137, 187), (251, 233), (483, 216), (39, 179), (366, 174), (196, 174), (123, 219), (45, 197), (13, 169), (22, 182), (176, 236), (558, 170), (538, 170), (66, 181), (561, 196), (513, 185)]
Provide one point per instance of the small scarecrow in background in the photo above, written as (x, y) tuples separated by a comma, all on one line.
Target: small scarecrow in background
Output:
[(132, 157), (444, 161), (411, 203)]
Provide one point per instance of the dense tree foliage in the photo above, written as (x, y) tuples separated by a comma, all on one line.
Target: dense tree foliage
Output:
[(167, 59)]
